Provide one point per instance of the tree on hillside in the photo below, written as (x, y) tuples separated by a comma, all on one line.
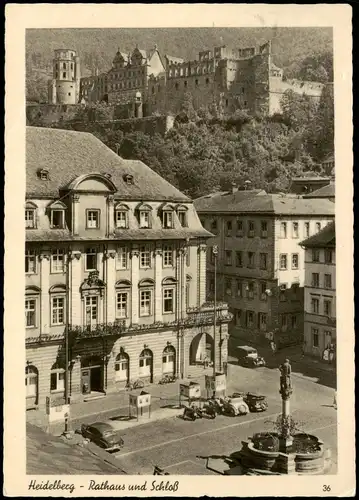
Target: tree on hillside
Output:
[(36, 88)]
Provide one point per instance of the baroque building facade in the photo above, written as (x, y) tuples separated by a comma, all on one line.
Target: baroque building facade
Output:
[(115, 267), (225, 78), (260, 266)]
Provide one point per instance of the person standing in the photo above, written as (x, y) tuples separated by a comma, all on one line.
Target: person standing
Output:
[(335, 400)]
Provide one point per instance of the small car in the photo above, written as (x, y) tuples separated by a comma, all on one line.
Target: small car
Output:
[(255, 402), (104, 435), (249, 357), (235, 406)]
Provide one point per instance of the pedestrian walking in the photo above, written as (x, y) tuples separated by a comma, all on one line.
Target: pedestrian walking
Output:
[(335, 400), (272, 346)]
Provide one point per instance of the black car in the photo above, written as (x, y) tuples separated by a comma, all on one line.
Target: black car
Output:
[(249, 357), (104, 435)]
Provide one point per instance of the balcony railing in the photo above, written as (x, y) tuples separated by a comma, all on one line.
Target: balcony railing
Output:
[(196, 316)]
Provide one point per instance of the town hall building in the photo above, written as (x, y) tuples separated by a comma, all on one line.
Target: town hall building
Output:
[(115, 266)]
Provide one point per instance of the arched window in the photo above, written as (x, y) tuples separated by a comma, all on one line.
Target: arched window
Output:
[(146, 363), (169, 360), (123, 294), (57, 378), (146, 289), (31, 381), (58, 304), (169, 295), (122, 367), (32, 299)]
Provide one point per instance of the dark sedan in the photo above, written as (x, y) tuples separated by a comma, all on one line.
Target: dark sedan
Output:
[(104, 435)]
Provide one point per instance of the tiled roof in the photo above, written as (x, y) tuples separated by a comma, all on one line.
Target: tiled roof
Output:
[(224, 201), (324, 238), (266, 203), (120, 235), (327, 191), (68, 154), (47, 454), (311, 179)]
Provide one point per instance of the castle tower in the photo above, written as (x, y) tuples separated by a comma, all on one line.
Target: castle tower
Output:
[(66, 75)]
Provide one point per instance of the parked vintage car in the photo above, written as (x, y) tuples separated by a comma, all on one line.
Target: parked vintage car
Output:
[(255, 402), (234, 406), (249, 357), (104, 435)]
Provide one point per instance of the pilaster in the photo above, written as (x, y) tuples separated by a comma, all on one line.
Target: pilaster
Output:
[(202, 273), (44, 259), (110, 264), (110, 215), (158, 284), (75, 262), (135, 253), (75, 213)]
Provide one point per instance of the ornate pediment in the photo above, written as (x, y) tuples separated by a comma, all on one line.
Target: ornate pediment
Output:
[(93, 284)]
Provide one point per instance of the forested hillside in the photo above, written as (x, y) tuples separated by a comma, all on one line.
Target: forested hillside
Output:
[(304, 53), (202, 154)]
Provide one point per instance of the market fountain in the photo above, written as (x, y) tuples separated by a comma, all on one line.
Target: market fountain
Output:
[(285, 451)]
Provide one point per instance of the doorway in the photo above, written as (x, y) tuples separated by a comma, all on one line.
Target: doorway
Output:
[(92, 375)]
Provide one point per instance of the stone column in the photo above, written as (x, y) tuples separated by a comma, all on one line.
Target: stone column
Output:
[(75, 262), (158, 284), (110, 263), (134, 280), (44, 298), (75, 213), (285, 391)]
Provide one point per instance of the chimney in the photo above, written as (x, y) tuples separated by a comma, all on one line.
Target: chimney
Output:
[(234, 188)]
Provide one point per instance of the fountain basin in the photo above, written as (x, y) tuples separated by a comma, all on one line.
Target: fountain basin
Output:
[(264, 452)]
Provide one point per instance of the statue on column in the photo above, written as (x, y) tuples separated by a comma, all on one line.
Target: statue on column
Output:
[(285, 379)]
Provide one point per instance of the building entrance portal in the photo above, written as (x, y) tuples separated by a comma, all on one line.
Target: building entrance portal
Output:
[(92, 375), (201, 349)]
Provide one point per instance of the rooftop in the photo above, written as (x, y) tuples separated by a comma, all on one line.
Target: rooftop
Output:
[(226, 201), (68, 154), (324, 238), (311, 178), (47, 454), (327, 191), (256, 202)]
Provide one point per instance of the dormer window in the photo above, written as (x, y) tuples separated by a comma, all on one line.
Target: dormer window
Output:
[(43, 174), (57, 215), (144, 214), (167, 219), (30, 215), (29, 218), (121, 214), (144, 219), (128, 178), (57, 219), (182, 215), (167, 216)]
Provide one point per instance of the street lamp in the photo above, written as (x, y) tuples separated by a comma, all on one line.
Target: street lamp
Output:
[(215, 253)]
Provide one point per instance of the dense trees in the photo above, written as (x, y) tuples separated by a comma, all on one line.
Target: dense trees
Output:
[(201, 155)]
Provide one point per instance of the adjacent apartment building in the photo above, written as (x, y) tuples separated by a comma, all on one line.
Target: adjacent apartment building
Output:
[(319, 294), (260, 264), (115, 266)]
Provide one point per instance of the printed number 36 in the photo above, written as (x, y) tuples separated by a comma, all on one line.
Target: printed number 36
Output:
[(326, 487)]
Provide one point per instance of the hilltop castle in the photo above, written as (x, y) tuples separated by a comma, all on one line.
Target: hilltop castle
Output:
[(229, 79)]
